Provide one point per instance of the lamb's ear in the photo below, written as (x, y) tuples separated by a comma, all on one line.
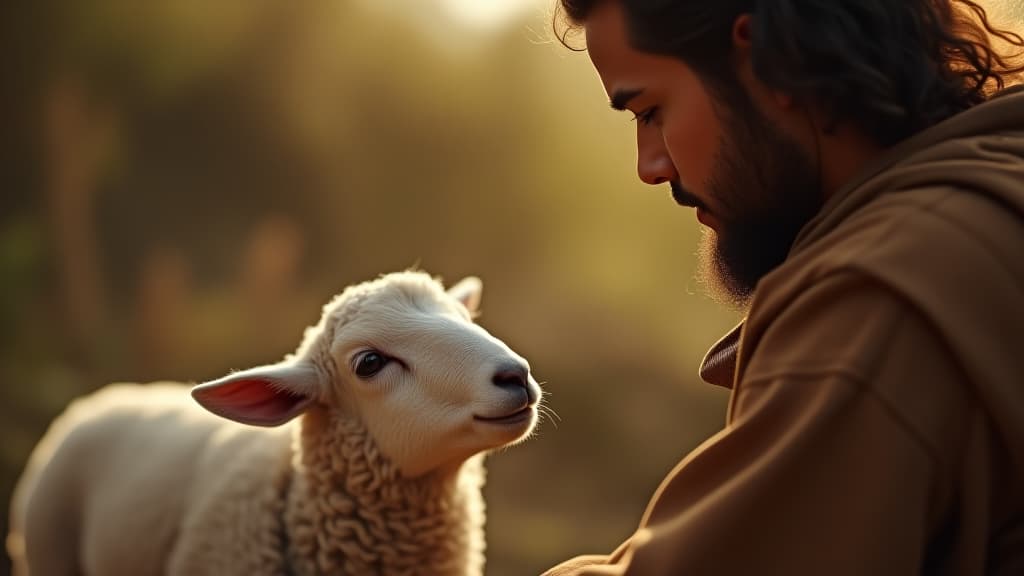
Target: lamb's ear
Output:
[(469, 291), (264, 396)]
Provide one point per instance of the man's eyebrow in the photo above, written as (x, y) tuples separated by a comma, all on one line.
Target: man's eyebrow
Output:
[(621, 98)]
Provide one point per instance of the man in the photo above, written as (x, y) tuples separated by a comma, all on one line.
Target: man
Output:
[(859, 169)]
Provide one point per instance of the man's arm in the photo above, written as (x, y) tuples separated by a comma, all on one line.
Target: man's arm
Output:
[(824, 468)]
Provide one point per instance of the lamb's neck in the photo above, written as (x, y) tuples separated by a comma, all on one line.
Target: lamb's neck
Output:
[(350, 511)]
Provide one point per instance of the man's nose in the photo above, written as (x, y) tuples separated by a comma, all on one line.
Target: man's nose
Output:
[(653, 164)]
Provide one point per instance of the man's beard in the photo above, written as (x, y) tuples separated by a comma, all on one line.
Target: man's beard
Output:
[(765, 190)]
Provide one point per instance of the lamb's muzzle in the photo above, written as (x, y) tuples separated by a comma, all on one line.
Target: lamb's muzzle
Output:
[(522, 395)]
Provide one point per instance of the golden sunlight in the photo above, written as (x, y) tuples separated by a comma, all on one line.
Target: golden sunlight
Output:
[(488, 14)]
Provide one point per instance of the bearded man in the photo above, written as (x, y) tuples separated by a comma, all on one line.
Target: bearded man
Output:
[(858, 167)]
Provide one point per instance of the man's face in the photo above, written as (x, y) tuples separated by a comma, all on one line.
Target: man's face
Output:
[(753, 186)]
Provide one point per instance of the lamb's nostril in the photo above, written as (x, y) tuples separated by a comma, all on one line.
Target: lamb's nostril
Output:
[(511, 375)]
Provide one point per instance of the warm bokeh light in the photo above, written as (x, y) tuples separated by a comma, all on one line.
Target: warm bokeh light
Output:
[(193, 182), (489, 14)]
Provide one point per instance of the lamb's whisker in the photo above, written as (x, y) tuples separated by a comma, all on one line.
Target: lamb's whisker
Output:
[(552, 416)]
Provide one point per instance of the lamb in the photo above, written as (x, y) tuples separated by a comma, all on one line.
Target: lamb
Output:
[(361, 453)]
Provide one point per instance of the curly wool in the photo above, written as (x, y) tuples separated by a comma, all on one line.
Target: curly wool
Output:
[(328, 502), (349, 511)]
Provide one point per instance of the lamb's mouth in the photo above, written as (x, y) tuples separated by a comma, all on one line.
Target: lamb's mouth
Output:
[(517, 417)]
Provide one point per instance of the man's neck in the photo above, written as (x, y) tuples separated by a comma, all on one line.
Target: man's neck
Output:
[(844, 153)]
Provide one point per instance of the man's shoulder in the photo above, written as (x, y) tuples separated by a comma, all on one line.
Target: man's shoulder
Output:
[(934, 220), (943, 257), (914, 240)]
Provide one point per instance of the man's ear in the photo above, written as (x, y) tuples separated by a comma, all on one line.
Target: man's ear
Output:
[(263, 396), (743, 45), (743, 31), (469, 291)]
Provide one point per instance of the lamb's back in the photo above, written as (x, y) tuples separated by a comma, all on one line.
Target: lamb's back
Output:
[(114, 475)]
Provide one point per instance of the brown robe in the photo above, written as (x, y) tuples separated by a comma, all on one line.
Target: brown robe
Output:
[(876, 421)]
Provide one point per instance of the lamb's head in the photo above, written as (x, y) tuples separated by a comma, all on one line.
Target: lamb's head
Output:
[(405, 357)]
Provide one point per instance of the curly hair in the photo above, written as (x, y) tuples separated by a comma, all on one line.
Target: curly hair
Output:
[(892, 67)]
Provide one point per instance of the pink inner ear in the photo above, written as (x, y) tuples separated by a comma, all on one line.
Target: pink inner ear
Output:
[(252, 400)]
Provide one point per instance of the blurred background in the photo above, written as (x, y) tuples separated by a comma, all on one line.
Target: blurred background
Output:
[(186, 183)]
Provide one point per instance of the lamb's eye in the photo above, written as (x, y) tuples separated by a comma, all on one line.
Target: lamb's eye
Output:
[(370, 363)]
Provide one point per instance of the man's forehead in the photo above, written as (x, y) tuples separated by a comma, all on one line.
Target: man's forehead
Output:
[(609, 49), (605, 33)]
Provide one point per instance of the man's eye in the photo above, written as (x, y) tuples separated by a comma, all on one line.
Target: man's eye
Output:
[(647, 116), (369, 363)]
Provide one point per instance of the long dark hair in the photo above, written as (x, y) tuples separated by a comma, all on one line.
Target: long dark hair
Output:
[(892, 67)]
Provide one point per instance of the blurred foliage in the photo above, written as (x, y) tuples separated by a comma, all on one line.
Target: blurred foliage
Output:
[(188, 182)]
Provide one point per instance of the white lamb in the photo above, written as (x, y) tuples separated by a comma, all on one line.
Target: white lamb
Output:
[(397, 394)]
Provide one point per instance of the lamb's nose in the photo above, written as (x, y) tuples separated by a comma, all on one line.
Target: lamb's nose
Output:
[(511, 375)]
